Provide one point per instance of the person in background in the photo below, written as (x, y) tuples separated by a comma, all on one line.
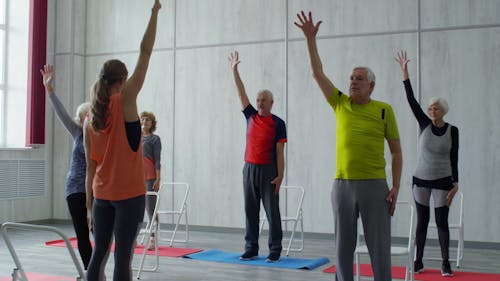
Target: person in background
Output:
[(75, 180), (264, 167), (436, 173), (151, 153)]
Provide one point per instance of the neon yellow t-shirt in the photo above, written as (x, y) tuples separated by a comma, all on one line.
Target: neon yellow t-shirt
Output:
[(361, 130)]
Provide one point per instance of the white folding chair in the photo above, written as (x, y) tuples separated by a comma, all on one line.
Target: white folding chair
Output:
[(145, 235), (176, 210), (294, 196), (455, 222), (404, 214)]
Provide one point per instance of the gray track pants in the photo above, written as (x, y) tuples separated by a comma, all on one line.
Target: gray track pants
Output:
[(351, 198), (256, 186)]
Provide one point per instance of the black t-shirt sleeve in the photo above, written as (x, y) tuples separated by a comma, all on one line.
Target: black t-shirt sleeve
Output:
[(249, 111)]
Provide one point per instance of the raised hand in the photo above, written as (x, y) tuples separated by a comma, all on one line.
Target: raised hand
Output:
[(403, 63), (47, 78), (156, 6), (306, 24), (234, 58)]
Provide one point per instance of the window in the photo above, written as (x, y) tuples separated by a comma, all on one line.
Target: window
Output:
[(14, 35)]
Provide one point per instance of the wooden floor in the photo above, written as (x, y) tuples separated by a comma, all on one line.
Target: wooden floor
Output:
[(38, 258)]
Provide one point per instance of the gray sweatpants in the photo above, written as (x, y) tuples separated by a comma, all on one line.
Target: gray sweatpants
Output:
[(351, 198), (256, 186)]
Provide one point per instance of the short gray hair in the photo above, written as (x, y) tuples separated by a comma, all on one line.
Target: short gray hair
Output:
[(441, 102), (370, 76), (267, 92), (81, 111)]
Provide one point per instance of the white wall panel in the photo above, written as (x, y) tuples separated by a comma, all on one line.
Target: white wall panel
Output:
[(117, 26), (63, 26), (342, 17), (460, 66), (229, 21), (451, 13)]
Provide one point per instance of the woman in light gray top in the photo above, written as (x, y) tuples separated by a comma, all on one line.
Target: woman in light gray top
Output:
[(436, 173), (75, 181)]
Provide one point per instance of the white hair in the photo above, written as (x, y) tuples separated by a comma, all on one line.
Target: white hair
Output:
[(81, 111), (370, 76), (443, 104), (267, 92)]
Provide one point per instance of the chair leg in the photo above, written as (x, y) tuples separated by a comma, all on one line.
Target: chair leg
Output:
[(358, 267), (460, 249), (291, 237)]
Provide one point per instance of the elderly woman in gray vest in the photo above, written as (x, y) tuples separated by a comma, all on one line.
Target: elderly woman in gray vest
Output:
[(436, 173)]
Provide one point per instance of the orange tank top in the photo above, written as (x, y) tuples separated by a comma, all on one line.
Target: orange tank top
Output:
[(119, 173)]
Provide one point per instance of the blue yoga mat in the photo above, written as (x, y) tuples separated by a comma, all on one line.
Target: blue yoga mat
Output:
[(284, 262)]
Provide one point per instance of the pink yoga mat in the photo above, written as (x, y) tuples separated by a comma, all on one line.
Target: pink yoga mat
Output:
[(163, 251)]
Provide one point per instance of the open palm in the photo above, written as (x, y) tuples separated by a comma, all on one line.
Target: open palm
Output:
[(306, 24)]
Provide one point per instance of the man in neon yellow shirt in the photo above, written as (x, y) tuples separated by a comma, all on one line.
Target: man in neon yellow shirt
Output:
[(360, 186)]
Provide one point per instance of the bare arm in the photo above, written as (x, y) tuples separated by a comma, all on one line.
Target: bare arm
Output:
[(91, 166), (136, 80), (310, 30), (397, 166), (242, 94), (280, 160), (156, 185)]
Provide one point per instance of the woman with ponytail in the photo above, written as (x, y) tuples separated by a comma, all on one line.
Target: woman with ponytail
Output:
[(115, 177)]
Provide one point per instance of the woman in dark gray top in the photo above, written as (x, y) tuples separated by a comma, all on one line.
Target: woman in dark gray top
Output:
[(436, 173), (75, 181), (151, 153)]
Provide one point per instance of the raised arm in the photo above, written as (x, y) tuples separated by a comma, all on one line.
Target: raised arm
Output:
[(234, 58), (48, 78), (422, 119), (136, 80), (310, 30)]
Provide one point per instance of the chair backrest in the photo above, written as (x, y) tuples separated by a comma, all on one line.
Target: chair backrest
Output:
[(404, 215), (293, 199), (173, 195), (402, 222), (456, 216)]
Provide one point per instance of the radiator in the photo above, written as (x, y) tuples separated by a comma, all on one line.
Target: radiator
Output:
[(22, 178)]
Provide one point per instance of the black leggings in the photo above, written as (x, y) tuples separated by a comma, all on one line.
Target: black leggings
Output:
[(121, 219), (441, 215), (78, 211)]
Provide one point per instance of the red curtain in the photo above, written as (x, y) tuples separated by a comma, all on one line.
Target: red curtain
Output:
[(37, 51)]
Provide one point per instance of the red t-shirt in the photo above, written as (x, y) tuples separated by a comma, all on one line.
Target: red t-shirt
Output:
[(263, 132)]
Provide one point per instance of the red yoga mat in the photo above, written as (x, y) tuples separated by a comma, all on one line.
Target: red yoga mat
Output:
[(398, 272), (139, 249)]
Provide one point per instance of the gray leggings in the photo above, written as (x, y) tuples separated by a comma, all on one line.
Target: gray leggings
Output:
[(423, 195), (122, 219)]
